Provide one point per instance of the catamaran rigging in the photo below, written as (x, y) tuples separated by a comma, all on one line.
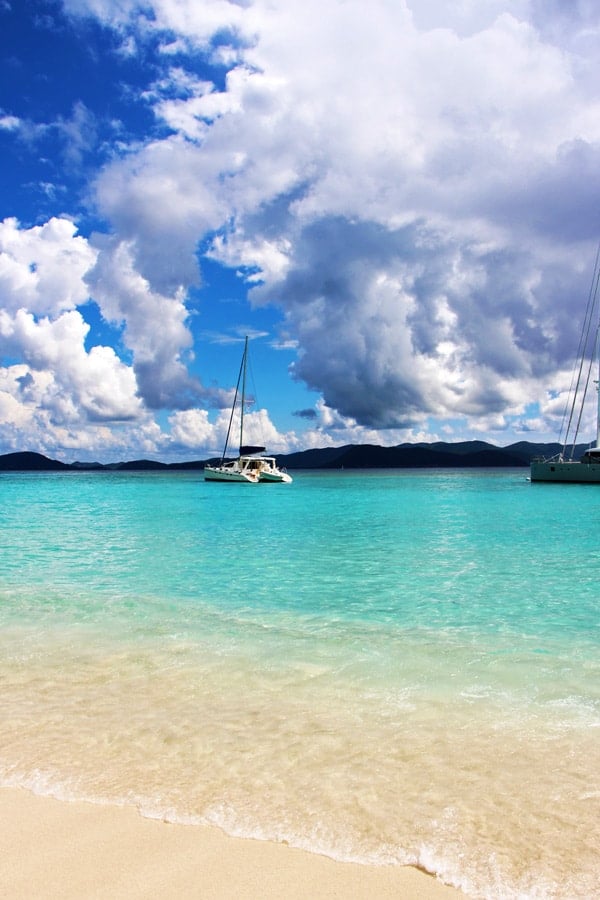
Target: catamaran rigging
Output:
[(248, 467)]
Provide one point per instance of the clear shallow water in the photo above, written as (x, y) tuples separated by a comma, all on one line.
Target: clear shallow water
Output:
[(389, 667)]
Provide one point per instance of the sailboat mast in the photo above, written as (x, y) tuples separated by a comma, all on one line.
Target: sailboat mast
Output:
[(598, 389), (237, 388), (244, 362)]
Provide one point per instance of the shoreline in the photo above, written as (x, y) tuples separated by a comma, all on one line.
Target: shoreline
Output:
[(62, 849)]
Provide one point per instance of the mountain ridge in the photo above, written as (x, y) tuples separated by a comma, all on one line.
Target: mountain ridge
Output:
[(440, 454)]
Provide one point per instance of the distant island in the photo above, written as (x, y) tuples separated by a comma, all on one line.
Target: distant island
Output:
[(466, 454)]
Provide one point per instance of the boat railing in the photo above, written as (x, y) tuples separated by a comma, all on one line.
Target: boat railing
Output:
[(558, 457)]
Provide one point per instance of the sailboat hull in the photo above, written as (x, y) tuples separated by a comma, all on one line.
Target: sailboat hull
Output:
[(275, 477), (220, 473), (565, 472)]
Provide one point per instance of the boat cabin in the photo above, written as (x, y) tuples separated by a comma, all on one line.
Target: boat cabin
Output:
[(591, 456)]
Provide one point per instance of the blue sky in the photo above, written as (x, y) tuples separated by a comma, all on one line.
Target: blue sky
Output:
[(398, 202)]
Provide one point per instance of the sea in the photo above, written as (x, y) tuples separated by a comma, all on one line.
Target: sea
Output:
[(388, 667)]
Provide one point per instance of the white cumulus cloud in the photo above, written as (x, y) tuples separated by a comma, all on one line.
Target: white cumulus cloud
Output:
[(413, 185), (42, 268)]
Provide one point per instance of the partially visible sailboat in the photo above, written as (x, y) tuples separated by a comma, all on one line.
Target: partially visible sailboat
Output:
[(249, 467), (563, 467)]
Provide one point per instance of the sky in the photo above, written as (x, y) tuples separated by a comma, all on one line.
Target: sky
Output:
[(398, 201)]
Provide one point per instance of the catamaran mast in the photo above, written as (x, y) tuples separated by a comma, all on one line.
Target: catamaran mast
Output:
[(241, 377), (244, 363)]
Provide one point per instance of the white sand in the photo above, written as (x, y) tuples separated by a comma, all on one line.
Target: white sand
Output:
[(53, 849)]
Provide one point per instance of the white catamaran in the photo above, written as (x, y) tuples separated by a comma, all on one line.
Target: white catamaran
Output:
[(248, 468), (563, 467)]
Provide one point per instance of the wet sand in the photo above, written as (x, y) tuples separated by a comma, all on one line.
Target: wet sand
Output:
[(55, 849)]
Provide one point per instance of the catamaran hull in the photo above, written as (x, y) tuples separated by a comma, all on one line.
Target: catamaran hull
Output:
[(249, 470), (566, 472), (275, 478), (221, 475)]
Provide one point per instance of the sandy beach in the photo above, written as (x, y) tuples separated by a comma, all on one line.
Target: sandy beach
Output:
[(357, 702), (54, 849)]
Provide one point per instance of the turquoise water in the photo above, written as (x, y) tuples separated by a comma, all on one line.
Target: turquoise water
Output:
[(388, 667)]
